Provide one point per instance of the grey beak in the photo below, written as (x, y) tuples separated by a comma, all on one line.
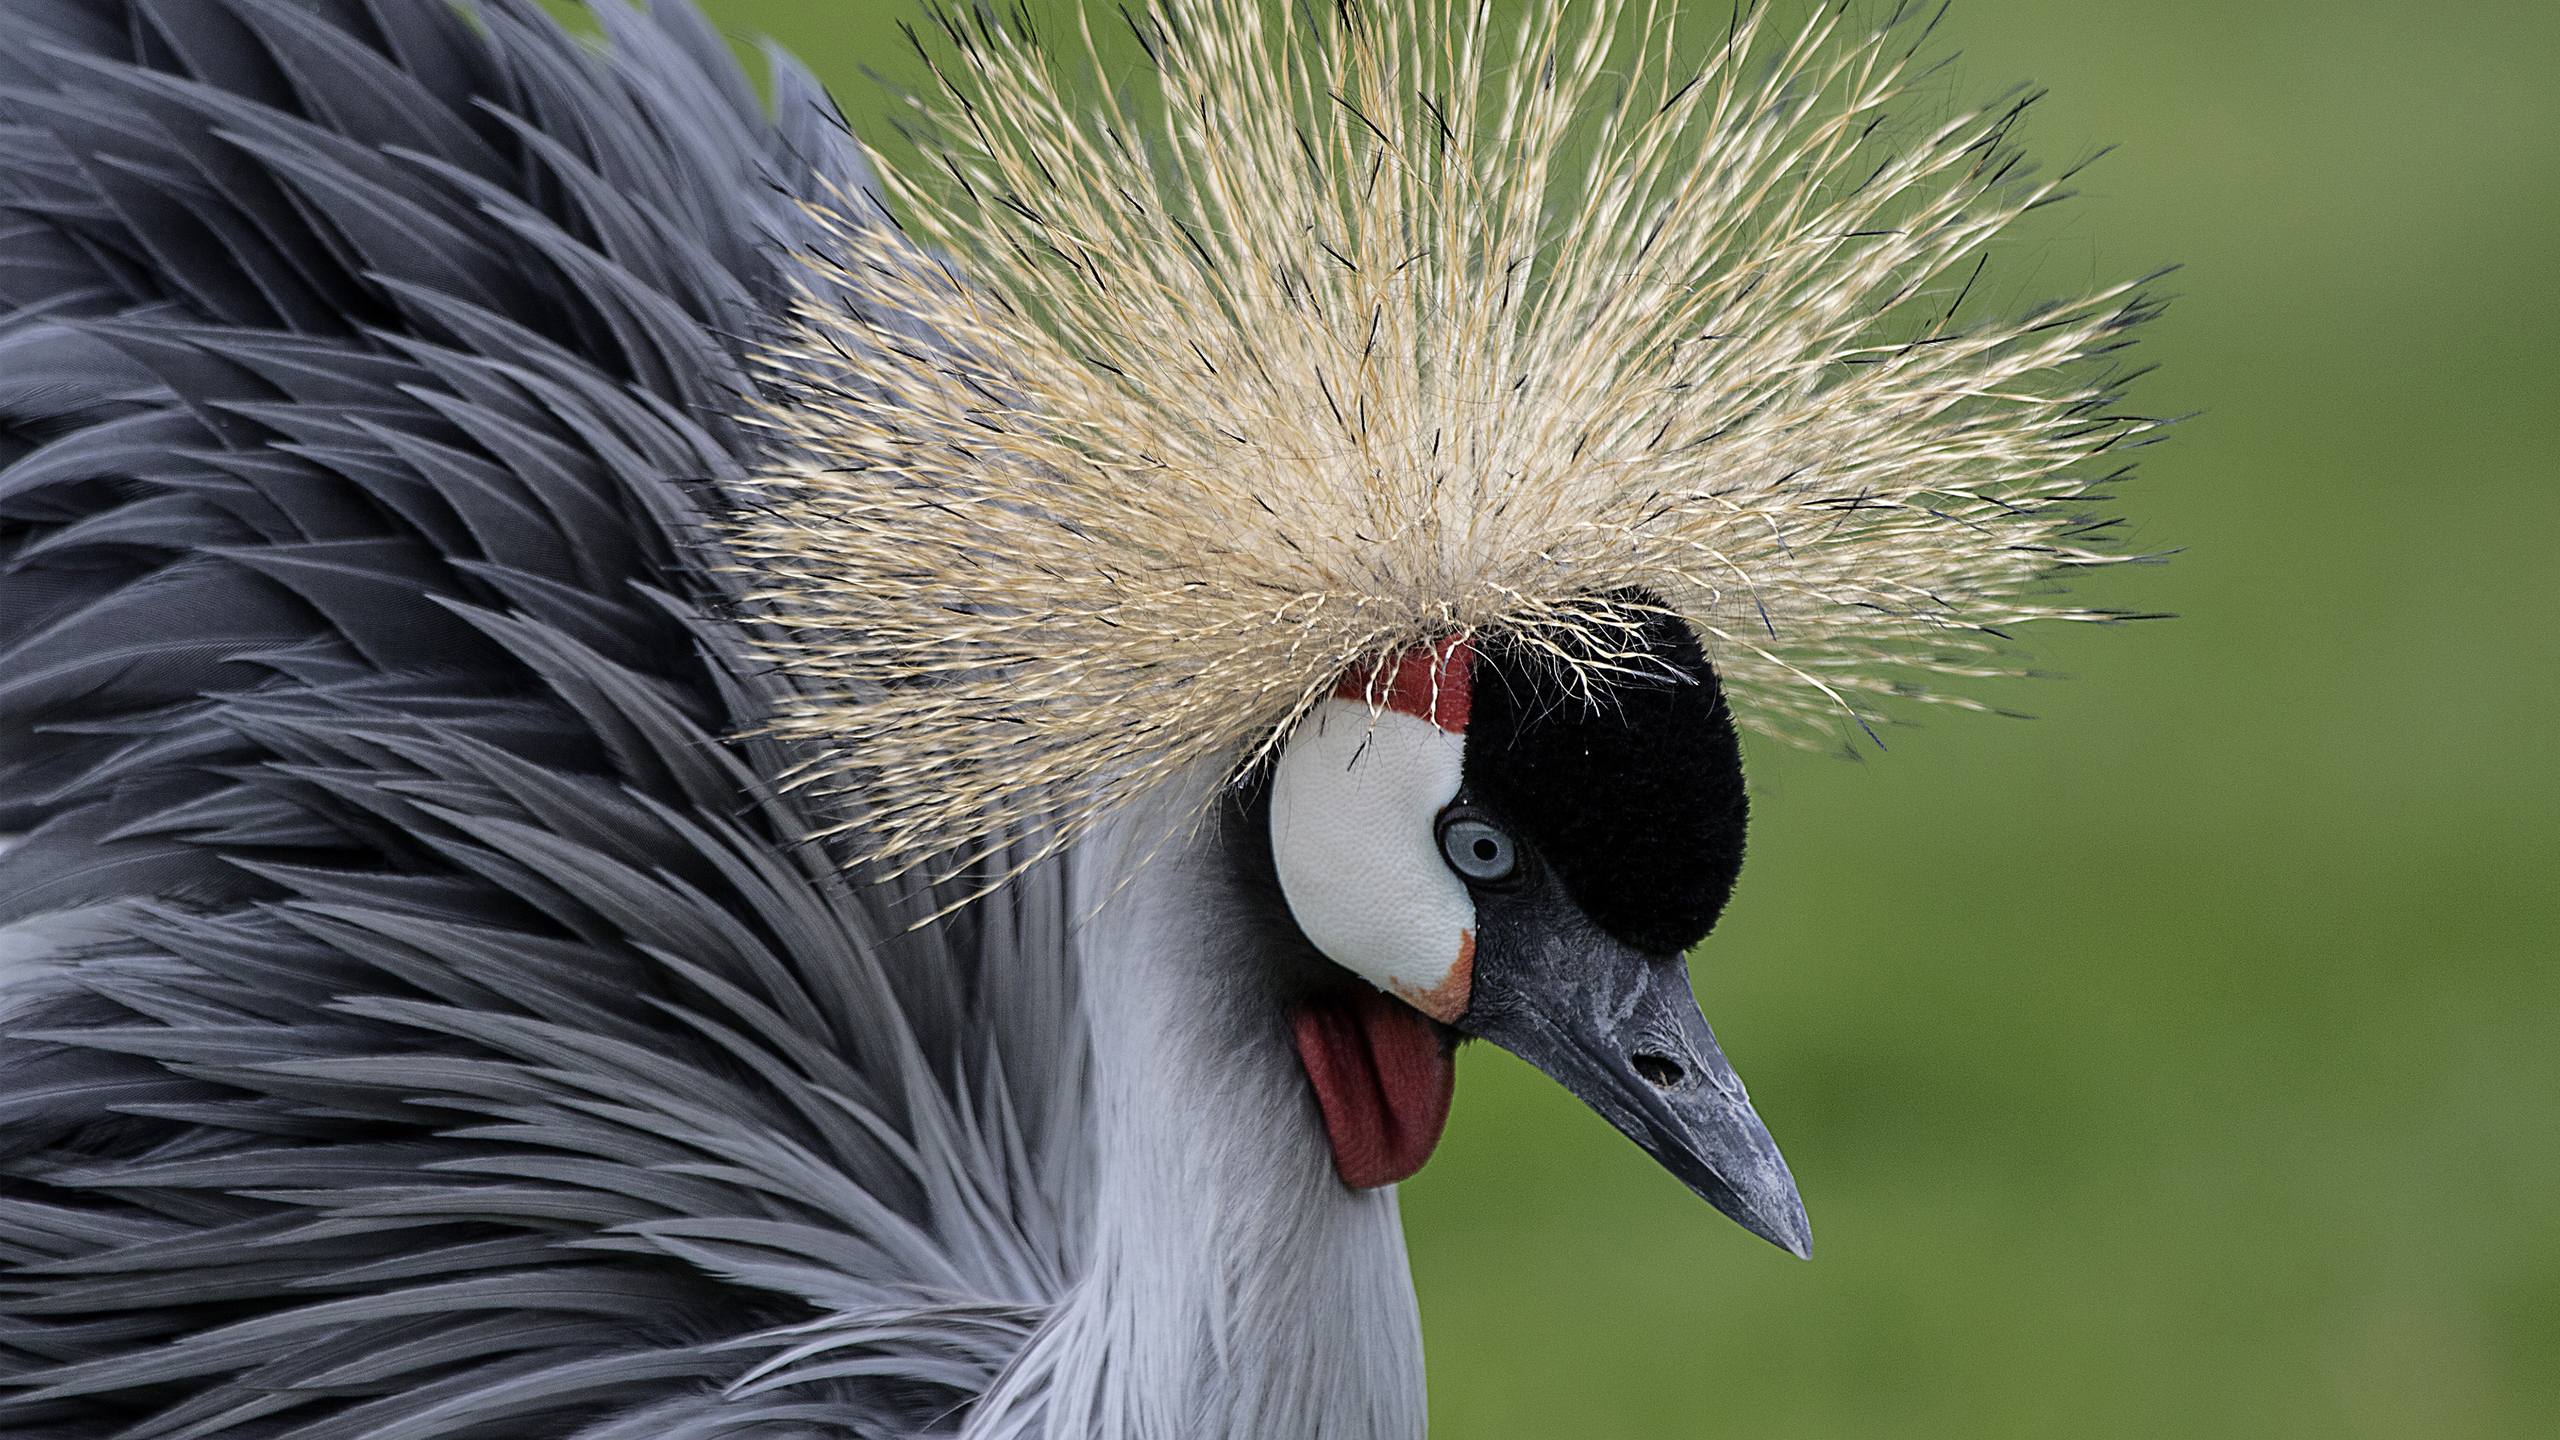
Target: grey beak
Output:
[(1622, 1031)]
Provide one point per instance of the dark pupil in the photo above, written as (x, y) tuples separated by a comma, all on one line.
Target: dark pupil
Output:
[(1485, 848)]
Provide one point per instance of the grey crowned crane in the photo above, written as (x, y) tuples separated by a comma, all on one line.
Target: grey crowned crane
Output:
[(657, 806)]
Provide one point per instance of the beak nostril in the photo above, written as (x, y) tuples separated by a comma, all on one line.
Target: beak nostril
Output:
[(1659, 1071)]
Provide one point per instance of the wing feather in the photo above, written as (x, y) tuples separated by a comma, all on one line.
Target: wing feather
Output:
[(427, 1017)]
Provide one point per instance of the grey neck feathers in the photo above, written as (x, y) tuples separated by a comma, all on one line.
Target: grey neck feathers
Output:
[(1236, 1291)]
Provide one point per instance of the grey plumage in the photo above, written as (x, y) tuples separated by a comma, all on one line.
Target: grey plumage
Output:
[(425, 1020)]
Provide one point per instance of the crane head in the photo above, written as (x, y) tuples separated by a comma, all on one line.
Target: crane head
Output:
[(1501, 849), (1282, 444)]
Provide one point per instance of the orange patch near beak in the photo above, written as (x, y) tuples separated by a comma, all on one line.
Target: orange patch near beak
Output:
[(1448, 1000)]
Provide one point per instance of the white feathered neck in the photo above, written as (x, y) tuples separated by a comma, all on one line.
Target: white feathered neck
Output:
[(1234, 1289)]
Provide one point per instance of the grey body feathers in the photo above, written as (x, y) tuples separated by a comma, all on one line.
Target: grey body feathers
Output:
[(424, 1020)]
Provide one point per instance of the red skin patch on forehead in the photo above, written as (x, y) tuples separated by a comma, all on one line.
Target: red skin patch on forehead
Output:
[(1434, 682)]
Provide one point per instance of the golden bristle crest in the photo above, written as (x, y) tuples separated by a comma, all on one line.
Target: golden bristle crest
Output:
[(1347, 327)]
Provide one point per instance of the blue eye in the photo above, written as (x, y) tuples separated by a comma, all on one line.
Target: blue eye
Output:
[(1478, 849)]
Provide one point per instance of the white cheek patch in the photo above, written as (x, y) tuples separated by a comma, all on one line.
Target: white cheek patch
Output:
[(1355, 799)]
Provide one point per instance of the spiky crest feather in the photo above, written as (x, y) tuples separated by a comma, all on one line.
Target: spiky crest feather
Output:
[(1393, 327)]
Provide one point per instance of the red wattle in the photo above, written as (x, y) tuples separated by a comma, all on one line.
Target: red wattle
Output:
[(1383, 1080)]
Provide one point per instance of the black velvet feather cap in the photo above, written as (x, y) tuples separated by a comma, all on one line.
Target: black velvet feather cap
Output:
[(1633, 792)]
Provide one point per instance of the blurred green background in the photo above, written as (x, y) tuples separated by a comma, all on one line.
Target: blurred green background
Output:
[(2184, 1062)]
